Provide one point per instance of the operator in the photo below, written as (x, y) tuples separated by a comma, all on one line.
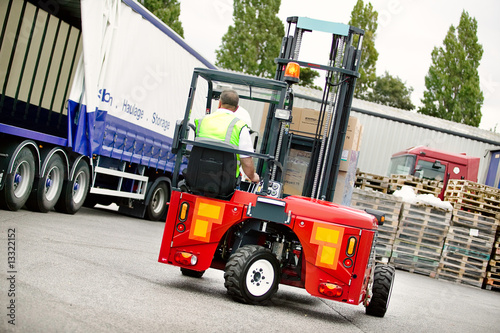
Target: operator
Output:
[(223, 122)]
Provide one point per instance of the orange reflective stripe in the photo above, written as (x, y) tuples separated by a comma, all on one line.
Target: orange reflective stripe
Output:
[(206, 213), (329, 238)]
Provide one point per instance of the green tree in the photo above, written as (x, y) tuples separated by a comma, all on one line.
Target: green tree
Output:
[(307, 76), (167, 11), (391, 91), (252, 43), (452, 83), (364, 17)]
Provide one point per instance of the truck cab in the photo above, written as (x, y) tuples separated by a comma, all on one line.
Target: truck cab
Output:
[(428, 163)]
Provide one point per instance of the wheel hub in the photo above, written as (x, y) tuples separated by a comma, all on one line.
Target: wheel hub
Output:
[(260, 277), (257, 277)]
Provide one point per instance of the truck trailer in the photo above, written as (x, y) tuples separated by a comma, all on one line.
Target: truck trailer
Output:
[(90, 91)]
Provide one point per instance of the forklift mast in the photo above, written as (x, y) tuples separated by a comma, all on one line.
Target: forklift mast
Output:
[(340, 80)]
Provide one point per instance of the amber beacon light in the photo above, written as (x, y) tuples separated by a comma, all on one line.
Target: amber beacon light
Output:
[(292, 72)]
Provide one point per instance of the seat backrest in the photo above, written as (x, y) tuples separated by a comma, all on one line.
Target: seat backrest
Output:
[(211, 172)]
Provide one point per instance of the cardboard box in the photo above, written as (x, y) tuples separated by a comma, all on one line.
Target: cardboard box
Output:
[(353, 134), (345, 181), (352, 142), (295, 174)]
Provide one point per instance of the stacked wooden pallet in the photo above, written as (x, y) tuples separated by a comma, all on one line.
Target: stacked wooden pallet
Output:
[(371, 181), (469, 244), (465, 256), (391, 207), (420, 238), (493, 272), (473, 197), (421, 186)]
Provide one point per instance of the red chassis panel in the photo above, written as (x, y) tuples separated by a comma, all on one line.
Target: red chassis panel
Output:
[(323, 229)]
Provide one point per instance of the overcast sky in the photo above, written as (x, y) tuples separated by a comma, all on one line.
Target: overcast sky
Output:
[(408, 30)]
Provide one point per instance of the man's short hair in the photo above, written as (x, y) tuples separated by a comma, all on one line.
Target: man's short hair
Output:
[(230, 97)]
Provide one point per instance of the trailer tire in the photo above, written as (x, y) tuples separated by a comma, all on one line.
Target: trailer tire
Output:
[(74, 191), (19, 183), (47, 189), (192, 273), (252, 275), (383, 280), (157, 208)]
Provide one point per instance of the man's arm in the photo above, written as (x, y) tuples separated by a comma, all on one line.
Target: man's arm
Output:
[(249, 169)]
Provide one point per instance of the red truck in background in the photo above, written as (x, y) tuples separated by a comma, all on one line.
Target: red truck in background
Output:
[(433, 164)]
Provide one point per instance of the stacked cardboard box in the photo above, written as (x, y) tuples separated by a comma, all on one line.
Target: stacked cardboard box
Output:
[(420, 238), (391, 207), (304, 123)]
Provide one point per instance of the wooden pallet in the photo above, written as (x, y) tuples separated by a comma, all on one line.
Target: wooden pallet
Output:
[(474, 197), (470, 253), (479, 221), (492, 284), (458, 278), (372, 181), (472, 187), (460, 261), (420, 236), (460, 237), (426, 213), (416, 249), (388, 204), (429, 227), (494, 266), (420, 185), (414, 264)]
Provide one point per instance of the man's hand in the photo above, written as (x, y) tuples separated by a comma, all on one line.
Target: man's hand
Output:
[(249, 169)]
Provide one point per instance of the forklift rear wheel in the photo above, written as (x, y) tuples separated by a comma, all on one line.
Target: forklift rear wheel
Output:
[(251, 274), (18, 184), (47, 189), (74, 191), (192, 273), (383, 280)]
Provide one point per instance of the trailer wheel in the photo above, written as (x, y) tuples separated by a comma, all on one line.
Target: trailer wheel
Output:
[(75, 191), (48, 188), (192, 273), (19, 183), (251, 274), (383, 280), (157, 206)]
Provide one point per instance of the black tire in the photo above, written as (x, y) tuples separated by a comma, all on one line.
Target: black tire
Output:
[(19, 183), (192, 273), (252, 274), (47, 189), (383, 280), (74, 192), (157, 206)]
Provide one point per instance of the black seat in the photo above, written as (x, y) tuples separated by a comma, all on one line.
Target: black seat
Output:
[(211, 172)]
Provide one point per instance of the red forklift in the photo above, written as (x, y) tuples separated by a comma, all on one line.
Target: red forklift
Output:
[(260, 236)]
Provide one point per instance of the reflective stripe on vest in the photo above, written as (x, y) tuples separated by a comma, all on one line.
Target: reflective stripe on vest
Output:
[(220, 126)]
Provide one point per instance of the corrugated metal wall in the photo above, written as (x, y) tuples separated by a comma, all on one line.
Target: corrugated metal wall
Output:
[(388, 130)]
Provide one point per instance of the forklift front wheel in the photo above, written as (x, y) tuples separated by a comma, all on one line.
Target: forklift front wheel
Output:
[(251, 274)]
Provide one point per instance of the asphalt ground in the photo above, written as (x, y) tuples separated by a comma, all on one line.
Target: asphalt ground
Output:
[(97, 271)]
